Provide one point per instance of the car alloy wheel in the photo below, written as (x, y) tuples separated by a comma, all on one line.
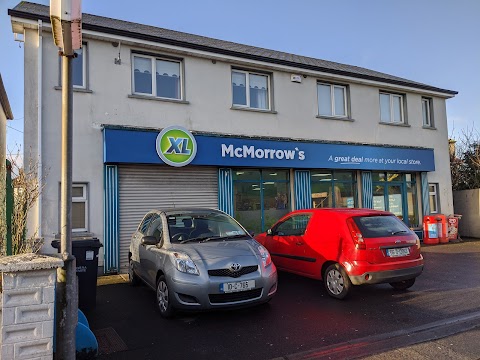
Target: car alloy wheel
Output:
[(163, 298), (337, 281)]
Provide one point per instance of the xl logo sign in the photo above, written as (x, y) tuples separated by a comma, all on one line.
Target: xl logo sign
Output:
[(176, 146)]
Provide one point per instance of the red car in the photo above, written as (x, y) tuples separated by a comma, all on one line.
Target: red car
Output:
[(345, 247)]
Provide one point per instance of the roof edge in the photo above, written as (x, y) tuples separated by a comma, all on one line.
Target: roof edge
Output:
[(216, 50), (4, 101)]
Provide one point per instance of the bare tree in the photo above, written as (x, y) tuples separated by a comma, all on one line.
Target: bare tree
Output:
[(26, 190), (465, 160)]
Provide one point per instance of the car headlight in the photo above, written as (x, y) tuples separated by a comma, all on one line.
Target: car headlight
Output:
[(184, 264), (265, 255)]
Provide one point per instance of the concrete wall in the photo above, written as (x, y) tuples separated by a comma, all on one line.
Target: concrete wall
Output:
[(208, 93), (27, 301), (467, 204)]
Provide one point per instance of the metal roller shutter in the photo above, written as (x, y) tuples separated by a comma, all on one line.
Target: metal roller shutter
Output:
[(146, 187)]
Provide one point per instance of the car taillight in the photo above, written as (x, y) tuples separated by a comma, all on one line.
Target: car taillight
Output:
[(356, 235)]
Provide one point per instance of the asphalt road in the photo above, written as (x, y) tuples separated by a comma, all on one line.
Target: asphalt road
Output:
[(301, 317)]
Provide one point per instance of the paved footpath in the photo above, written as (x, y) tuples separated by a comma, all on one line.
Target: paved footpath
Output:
[(463, 346), (455, 338)]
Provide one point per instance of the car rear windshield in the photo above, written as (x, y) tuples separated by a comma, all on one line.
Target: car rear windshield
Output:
[(381, 226)]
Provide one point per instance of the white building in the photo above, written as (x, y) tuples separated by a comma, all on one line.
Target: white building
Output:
[(273, 131), (5, 114)]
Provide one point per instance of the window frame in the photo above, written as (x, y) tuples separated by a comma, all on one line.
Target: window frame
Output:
[(153, 67), (427, 104), (79, 199), (332, 100), (247, 88), (434, 194), (391, 108), (85, 83)]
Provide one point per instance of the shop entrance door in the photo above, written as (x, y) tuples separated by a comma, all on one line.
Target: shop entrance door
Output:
[(389, 197), (395, 192)]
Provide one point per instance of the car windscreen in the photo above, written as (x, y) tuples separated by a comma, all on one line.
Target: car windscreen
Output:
[(381, 226), (202, 225)]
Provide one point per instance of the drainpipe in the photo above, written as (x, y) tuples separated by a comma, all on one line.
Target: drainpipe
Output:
[(39, 123)]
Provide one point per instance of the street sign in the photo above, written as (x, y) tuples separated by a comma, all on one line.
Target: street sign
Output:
[(66, 12)]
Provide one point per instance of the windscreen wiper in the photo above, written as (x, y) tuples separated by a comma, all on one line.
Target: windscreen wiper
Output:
[(399, 232), (201, 238)]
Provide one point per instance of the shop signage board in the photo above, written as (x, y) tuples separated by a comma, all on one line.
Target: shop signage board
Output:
[(176, 146)]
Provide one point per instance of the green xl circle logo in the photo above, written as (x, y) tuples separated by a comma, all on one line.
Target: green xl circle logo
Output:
[(176, 146)]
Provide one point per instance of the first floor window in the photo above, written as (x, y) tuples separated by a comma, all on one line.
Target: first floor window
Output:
[(79, 68), (427, 112), (333, 189), (157, 77), (433, 198), (332, 100), (79, 207), (391, 108), (250, 90)]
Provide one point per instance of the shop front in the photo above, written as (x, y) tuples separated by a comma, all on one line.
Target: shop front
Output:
[(256, 180)]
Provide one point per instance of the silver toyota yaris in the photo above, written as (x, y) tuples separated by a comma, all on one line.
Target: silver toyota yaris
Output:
[(199, 259)]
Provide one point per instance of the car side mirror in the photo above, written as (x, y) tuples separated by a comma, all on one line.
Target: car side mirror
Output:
[(251, 233), (149, 240), (269, 232)]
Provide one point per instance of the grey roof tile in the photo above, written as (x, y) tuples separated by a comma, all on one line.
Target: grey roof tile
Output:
[(120, 27)]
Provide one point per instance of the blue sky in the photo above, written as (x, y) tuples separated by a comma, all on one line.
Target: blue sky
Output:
[(429, 41)]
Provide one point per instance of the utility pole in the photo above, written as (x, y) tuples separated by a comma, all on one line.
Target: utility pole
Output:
[(66, 25)]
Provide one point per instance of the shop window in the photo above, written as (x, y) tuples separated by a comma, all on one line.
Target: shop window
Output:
[(157, 77), (392, 108), (261, 197), (335, 189), (433, 198), (250, 90), (332, 100), (79, 207), (427, 112)]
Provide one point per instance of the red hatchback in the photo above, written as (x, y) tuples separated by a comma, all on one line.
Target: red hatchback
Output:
[(345, 247)]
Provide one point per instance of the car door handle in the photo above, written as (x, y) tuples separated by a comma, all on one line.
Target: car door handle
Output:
[(299, 243)]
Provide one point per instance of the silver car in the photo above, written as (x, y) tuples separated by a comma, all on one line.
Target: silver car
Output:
[(199, 259)]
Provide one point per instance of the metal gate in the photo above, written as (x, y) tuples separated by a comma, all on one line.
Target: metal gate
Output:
[(146, 187)]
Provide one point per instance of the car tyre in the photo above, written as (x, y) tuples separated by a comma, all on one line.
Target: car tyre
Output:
[(133, 278), (403, 285), (164, 303), (337, 283)]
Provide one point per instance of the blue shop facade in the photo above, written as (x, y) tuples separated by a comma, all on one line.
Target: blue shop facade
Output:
[(255, 180)]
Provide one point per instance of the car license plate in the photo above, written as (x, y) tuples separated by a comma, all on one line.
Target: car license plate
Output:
[(237, 286), (396, 252)]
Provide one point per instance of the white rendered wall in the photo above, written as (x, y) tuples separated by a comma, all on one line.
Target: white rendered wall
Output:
[(208, 91)]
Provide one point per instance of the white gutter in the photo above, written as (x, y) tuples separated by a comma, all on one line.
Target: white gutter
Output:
[(39, 126)]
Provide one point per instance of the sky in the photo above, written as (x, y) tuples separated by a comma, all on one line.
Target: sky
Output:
[(435, 42)]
